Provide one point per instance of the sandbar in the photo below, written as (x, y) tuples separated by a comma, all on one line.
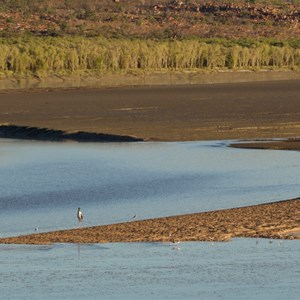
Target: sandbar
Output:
[(277, 220)]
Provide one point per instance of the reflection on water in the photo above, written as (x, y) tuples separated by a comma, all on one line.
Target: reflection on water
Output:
[(43, 184), (241, 269)]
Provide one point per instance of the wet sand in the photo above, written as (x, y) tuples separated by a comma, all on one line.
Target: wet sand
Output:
[(247, 110), (289, 144), (277, 220)]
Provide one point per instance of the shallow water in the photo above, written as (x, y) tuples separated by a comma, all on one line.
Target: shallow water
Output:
[(42, 184), (240, 269)]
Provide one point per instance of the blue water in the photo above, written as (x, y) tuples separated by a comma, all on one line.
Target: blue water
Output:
[(240, 269), (42, 184)]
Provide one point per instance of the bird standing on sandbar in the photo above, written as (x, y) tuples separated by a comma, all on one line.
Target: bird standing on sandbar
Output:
[(79, 215)]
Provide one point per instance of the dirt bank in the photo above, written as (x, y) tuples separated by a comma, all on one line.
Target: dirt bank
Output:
[(290, 144), (245, 110), (141, 78)]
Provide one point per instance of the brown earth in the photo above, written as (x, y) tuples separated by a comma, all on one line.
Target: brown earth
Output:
[(278, 220), (244, 110), (153, 19), (290, 144)]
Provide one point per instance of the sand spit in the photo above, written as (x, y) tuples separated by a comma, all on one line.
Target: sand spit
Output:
[(277, 220), (290, 144), (45, 134)]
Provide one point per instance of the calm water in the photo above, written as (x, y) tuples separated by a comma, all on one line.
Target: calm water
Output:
[(241, 269), (42, 184)]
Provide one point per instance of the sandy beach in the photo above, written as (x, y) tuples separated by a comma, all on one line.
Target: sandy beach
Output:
[(278, 220)]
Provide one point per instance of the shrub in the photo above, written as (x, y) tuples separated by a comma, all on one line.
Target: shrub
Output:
[(44, 56)]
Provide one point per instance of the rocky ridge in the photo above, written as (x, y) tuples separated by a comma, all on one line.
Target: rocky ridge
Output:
[(157, 19)]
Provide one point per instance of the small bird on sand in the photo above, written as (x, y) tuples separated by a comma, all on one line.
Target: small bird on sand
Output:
[(79, 215)]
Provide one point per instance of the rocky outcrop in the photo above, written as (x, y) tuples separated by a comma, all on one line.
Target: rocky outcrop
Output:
[(193, 18)]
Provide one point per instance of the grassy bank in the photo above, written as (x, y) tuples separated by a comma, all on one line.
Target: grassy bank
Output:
[(46, 56)]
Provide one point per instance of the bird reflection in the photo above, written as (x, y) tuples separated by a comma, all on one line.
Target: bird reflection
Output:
[(79, 250)]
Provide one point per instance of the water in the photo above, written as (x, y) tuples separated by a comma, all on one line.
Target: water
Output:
[(42, 184), (241, 269)]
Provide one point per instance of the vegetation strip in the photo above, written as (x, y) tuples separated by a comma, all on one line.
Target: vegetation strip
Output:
[(42, 57), (40, 38)]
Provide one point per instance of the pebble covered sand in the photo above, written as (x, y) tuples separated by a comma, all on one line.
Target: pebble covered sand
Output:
[(277, 220)]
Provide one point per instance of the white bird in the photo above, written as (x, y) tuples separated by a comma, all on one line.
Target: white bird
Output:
[(175, 245), (79, 215)]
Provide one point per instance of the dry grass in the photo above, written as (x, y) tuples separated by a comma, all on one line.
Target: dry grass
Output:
[(42, 57)]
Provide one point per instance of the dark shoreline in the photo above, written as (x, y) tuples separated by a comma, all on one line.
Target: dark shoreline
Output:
[(50, 135), (45, 134)]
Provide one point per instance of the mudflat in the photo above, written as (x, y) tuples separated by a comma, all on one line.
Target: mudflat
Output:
[(244, 110), (278, 220)]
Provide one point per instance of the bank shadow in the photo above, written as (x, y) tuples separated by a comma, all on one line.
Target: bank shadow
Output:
[(46, 134)]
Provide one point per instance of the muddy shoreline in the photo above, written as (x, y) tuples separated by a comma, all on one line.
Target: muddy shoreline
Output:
[(219, 111), (145, 79), (289, 144), (277, 220)]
